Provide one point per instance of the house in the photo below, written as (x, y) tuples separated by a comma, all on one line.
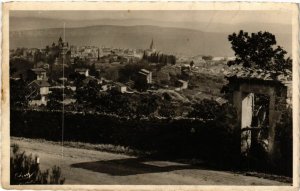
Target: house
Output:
[(181, 85), (119, 87), (37, 74), (82, 71), (39, 90), (43, 65), (146, 75)]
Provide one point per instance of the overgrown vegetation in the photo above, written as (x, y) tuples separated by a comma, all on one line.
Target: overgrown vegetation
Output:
[(24, 169)]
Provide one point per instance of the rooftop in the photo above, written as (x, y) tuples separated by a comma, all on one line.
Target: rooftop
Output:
[(40, 83), (38, 70), (145, 71), (81, 69), (258, 74)]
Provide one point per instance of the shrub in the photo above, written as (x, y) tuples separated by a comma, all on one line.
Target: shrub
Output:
[(24, 169), (284, 137)]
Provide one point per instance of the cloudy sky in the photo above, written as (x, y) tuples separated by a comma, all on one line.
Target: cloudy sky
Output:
[(202, 20), (214, 27), (174, 16)]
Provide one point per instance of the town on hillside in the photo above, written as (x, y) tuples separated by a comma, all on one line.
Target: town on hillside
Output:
[(56, 73)]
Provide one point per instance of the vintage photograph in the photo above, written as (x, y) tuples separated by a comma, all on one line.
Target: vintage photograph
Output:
[(151, 97)]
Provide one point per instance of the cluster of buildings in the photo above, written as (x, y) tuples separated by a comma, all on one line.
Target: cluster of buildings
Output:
[(104, 54), (39, 85)]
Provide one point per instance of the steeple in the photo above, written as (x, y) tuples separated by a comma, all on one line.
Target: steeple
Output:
[(60, 40), (151, 45)]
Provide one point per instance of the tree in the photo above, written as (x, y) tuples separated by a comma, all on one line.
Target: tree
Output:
[(55, 99), (205, 109), (206, 58), (192, 63), (88, 93), (258, 50), (18, 92)]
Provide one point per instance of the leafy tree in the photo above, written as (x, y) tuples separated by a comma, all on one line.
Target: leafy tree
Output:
[(192, 63), (87, 94), (55, 98), (258, 50), (77, 78), (205, 109), (206, 58), (166, 109), (18, 93)]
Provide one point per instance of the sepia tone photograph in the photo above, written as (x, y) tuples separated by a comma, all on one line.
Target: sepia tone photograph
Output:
[(151, 97)]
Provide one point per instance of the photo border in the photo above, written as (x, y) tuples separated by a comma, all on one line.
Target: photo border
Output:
[(5, 110)]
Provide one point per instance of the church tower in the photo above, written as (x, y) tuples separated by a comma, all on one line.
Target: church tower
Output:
[(151, 45)]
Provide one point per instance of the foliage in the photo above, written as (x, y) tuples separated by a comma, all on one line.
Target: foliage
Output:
[(160, 58), (284, 134), (205, 109), (130, 71), (24, 169), (87, 93), (18, 67), (18, 93), (258, 50), (192, 63), (207, 58), (77, 78), (55, 98)]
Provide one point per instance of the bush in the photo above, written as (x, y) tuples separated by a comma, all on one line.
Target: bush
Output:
[(284, 137), (24, 169)]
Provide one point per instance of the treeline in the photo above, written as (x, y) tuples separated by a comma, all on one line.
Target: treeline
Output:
[(160, 58)]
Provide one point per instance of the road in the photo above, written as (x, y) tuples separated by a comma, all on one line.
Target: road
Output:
[(82, 166)]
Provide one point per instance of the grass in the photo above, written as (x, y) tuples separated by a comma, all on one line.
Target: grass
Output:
[(118, 149)]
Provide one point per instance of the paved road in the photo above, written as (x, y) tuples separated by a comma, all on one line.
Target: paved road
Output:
[(82, 166)]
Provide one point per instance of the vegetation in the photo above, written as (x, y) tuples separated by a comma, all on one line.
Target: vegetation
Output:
[(55, 98), (24, 169), (258, 51), (18, 92), (207, 58), (160, 58)]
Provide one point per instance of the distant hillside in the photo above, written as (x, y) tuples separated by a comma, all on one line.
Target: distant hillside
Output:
[(166, 39)]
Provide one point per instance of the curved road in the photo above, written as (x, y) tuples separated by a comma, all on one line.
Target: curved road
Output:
[(82, 166)]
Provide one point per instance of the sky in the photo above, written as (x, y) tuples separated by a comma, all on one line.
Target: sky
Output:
[(225, 17), (216, 23)]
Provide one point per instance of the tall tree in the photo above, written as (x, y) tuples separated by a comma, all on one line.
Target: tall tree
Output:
[(258, 50)]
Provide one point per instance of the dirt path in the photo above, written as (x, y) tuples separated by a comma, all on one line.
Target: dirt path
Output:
[(82, 166)]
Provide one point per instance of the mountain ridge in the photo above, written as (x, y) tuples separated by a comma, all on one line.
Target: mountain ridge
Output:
[(167, 39)]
